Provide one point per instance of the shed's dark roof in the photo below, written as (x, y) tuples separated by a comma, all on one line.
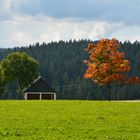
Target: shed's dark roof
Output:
[(39, 85)]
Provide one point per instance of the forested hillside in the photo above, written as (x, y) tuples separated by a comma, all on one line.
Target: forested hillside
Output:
[(61, 64)]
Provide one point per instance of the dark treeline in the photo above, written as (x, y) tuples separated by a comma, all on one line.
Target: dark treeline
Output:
[(61, 64)]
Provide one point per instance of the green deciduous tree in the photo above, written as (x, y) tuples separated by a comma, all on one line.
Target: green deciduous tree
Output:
[(19, 67)]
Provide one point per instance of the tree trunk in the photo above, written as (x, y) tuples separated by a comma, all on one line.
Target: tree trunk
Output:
[(119, 89), (118, 93), (21, 90), (109, 92)]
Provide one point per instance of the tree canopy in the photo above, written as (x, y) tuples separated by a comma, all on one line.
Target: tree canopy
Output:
[(106, 64), (19, 67)]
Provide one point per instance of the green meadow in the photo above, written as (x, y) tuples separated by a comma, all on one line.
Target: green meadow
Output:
[(69, 120)]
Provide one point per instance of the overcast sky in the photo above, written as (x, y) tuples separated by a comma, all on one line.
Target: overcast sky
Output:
[(24, 22)]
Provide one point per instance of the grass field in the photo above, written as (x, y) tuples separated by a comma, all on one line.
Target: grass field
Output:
[(69, 120)]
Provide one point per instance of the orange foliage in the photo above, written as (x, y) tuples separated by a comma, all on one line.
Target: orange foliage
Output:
[(106, 64), (134, 79)]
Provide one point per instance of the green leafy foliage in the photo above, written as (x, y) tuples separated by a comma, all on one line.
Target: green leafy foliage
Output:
[(19, 67)]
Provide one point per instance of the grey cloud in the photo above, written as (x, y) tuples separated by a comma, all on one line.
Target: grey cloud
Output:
[(126, 11)]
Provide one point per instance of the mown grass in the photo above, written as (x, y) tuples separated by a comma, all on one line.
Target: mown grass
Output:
[(69, 120)]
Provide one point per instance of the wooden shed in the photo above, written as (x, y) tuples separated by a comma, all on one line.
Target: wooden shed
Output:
[(39, 90)]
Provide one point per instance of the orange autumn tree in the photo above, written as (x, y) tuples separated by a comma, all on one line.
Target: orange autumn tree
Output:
[(106, 64)]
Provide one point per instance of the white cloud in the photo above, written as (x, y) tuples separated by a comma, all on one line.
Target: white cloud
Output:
[(26, 30), (23, 30), (131, 33)]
